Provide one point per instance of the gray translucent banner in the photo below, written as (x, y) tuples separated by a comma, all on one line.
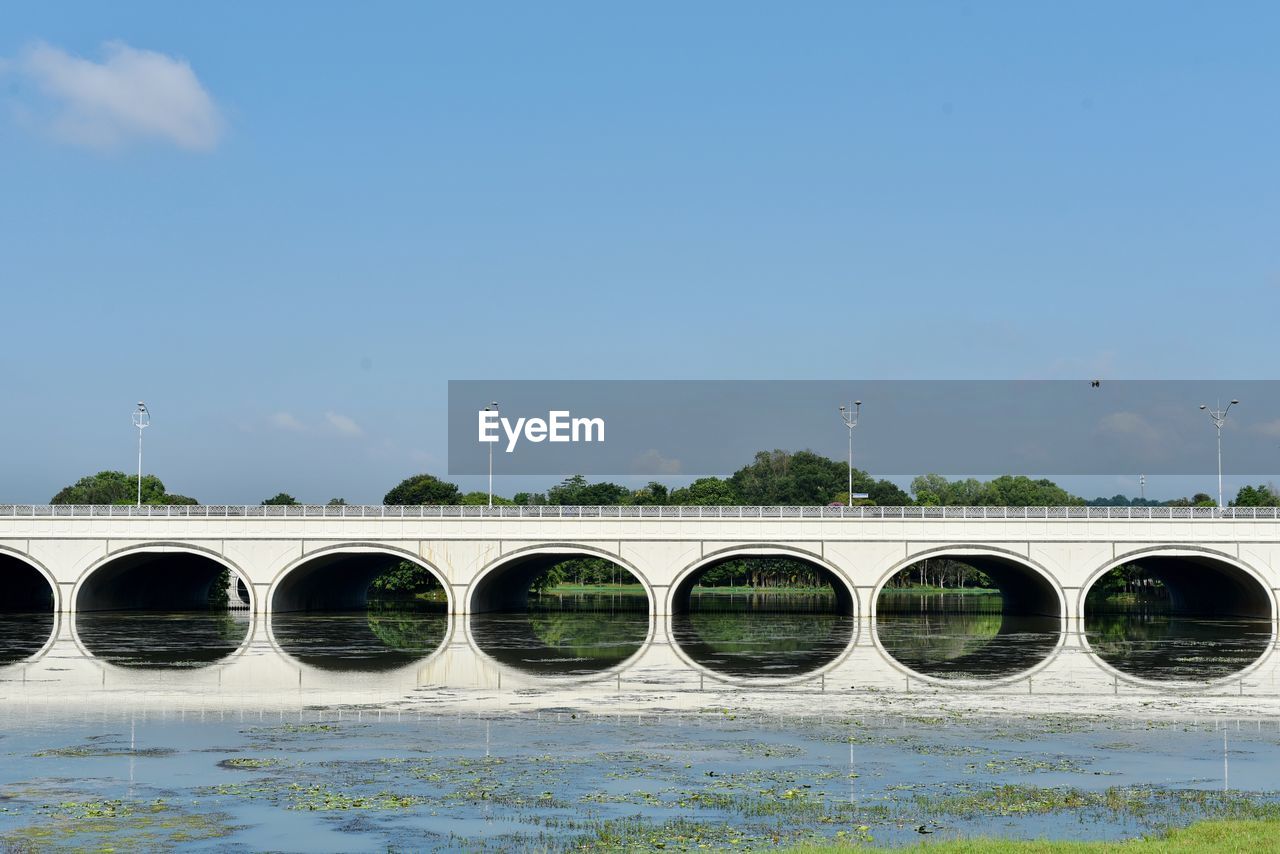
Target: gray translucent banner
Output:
[(905, 427)]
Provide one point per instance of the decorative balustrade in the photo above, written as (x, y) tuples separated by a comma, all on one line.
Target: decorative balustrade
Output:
[(381, 511)]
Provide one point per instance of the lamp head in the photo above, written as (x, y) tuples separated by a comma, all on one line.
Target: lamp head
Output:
[(1202, 406), (857, 403), (1235, 402)]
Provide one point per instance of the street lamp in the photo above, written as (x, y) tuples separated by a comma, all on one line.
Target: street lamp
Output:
[(141, 420), (492, 407), (1219, 417), (850, 419)]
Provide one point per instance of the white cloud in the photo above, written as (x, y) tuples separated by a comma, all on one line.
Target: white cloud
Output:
[(132, 94), (1129, 424), (344, 425), (1270, 429), (653, 462), (286, 421)]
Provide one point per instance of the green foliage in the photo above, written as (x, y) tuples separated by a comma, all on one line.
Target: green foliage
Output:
[(1127, 584), (281, 499), (764, 572), (1004, 491), (406, 578), (336, 502), (577, 491), (423, 489), (806, 478), (653, 493), (706, 492), (482, 499), (940, 573), (1262, 495), (116, 487)]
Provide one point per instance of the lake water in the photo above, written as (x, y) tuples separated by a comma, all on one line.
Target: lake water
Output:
[(586, 721)]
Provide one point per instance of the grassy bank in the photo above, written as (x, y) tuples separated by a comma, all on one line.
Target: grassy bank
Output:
[(1203, 836), (921, 590)]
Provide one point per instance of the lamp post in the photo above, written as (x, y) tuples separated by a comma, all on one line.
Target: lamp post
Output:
[(141, 420), (1142, 487), (850, 419), (492, 407), (1219, 417)]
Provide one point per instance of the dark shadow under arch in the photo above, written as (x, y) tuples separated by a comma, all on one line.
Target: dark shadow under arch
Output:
[(338, 580), (1198, 585), (152, 581), (23, 588)]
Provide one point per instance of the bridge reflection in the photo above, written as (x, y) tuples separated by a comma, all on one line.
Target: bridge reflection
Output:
[(293, 661)]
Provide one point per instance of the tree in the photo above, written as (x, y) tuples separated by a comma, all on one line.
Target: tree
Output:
[(1004, 491), (1262, 495), (1021, 491), (806, 478), (336, 502), (405, 577), (116, 487), (706, 492), (482, 498), (576, 491), (651, 493), (281, 499), (422, 489)]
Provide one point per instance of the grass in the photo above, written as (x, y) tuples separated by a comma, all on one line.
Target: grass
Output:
[(923, 590), (1218, 837), (629, 589)]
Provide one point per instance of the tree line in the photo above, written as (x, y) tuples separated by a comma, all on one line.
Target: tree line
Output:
[(773, 478)]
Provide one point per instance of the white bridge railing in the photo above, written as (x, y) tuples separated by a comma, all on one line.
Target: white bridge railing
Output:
[(381, 511)]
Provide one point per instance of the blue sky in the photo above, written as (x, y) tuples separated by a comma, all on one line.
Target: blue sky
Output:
[(287, 228)]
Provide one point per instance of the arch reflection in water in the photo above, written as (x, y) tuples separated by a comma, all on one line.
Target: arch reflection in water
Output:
[(23, 635), (162, 640), (763, 637), (1184, 618), (1169, 647), (565, 635), (386, 636), (962, 636)]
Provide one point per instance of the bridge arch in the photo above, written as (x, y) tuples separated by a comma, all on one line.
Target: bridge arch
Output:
[(30, 572), (960, 637), (105, 585), (503, 584), (681, 589), (1200, 580), (337, 577), (1025, 585)]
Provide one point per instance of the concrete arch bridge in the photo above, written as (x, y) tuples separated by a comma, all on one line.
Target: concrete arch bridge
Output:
[(73, 559)]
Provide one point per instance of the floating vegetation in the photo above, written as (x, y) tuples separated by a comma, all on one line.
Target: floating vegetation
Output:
[(249, 763), (726, 779), (95, 751)]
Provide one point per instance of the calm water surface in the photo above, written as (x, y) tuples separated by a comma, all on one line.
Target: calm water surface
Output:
[(962, 636)]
